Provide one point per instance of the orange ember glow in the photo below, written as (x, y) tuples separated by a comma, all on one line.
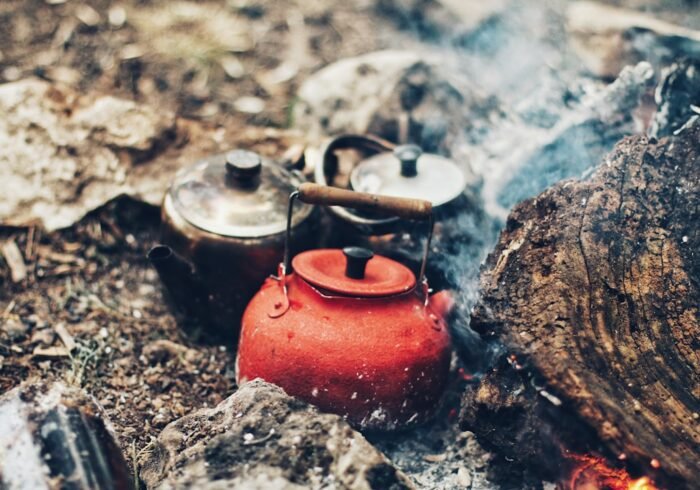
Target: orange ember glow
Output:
[(593, 473)]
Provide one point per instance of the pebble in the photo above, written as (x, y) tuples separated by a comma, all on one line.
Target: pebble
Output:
[(11, 73), (435, 458), (87, 15), (464, 478), (116, 16), (131, 52), (249, 105), (45, 336), (232, 66), (14, 328)]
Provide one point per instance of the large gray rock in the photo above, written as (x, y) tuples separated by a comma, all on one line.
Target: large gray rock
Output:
[(260, 438), (390, 94), (607, 38), (62, 155)]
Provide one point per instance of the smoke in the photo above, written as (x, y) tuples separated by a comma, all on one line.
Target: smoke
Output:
[(548, 120)]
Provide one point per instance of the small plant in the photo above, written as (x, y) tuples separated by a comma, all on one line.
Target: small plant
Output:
[(84, 358)]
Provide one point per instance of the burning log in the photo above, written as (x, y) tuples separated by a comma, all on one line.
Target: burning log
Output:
[(594, 290), (678, 98)]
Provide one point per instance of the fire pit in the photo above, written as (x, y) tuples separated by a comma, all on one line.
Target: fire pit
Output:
[(560, 355)]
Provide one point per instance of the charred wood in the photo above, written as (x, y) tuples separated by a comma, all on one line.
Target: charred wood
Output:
[(594, 289)]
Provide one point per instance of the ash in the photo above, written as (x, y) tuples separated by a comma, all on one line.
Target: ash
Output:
[(438, 455)]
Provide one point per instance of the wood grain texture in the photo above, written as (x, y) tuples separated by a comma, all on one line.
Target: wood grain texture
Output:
[(594, 289), (402, 207)]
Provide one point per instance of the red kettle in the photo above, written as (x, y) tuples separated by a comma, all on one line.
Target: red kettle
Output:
[(348, 331)]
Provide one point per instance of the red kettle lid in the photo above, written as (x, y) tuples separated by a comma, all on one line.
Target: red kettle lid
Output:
[(353, 271)]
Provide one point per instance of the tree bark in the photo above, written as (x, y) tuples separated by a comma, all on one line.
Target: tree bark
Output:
[(594, 290)]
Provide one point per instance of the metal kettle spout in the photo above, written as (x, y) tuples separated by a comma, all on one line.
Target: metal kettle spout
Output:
[(179, 278)]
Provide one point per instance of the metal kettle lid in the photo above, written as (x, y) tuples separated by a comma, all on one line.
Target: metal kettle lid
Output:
[(407, 172), (353, 271), (237, 194)]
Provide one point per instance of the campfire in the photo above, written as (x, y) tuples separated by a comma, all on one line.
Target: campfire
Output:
[(593, 472), (406, 244)]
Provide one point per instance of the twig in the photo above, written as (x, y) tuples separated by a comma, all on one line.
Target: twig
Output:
[(134, 457), (9, 308), (65, 336), (15, 261), (30, 242)]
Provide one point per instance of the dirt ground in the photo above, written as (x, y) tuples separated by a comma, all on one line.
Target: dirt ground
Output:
[(236, 60)]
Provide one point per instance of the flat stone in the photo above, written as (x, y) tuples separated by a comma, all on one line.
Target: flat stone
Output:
[(61, 155)]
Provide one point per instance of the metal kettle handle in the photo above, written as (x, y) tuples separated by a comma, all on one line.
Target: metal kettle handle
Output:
[(350, 141), (323, 174), (416, 209)]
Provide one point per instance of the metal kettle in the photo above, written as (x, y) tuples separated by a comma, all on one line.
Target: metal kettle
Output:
[(391, 170), (404, 171), (223, 229), (349, 331)]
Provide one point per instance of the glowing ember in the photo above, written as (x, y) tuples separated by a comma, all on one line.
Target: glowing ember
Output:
[(465, 376), (593, 473)]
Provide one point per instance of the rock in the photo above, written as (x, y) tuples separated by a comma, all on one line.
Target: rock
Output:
[(261, 438), (608, 38), (124, 125), (399, 95), (14, 328), (61, 156), (162, 350), (249, 105), (448, 18), (53, 436), (677, 98), (43, 336), (464, 478)]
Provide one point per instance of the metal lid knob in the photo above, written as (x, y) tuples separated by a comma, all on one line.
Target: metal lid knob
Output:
[(357, 258), (408, 155), (243, 165)]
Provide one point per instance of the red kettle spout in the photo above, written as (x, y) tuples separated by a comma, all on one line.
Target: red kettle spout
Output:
[(442, 303)]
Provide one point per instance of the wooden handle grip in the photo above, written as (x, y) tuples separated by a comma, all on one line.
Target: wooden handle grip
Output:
[(398, 206)]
